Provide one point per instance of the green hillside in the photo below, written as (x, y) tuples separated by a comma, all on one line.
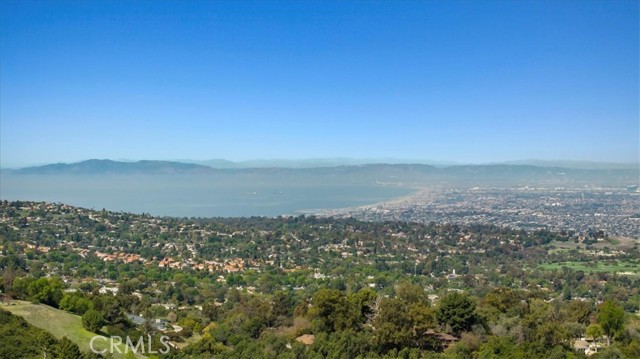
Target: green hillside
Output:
[(59, 323)]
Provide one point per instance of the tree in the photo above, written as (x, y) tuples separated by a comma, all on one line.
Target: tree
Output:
[(47, 291), (46, 342), (109, 308), (459, 350), (499, 347), (610, 353), (92, 320), (458, 311), (76, 303), (207, 345), (66, 349), (594, 331), (392, 323), (282, 303), (363, 302), (577, 311), (172, 317), (10, 266), (410, 293), (502, 300), (332, 311), (422, 316), (611, 318)]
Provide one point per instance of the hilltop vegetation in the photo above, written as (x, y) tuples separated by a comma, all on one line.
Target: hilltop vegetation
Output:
[(307, 287)]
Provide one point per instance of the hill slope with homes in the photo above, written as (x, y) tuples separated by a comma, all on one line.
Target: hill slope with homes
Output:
[(307, 286)]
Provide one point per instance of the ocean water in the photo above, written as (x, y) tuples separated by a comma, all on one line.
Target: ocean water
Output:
[(227, 195)]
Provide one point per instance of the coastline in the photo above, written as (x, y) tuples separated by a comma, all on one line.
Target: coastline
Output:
[(419, 194)]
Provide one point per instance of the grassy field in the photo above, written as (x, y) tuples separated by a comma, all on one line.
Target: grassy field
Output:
[(617, 243), (600, 266), (59, 323)]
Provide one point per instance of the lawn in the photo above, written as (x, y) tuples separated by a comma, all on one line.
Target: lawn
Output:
[(600, 266), (59, 323), (617, 243)]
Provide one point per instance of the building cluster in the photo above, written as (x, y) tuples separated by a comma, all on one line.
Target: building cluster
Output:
[(581, 212), (220, 249)]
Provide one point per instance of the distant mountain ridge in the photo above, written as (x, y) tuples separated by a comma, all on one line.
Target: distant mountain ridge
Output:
[(188, 166), (95, 166), (586, 165), (361, 173), (311, 162), (345, 161)]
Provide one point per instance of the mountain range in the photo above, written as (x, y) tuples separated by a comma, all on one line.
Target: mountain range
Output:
[(102, 166), (312, 162), (93, 167), (358, 173)]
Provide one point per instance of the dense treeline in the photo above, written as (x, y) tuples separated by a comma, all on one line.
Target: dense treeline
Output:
[(504, 323)]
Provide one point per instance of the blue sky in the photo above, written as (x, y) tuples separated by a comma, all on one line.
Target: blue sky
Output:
[(472, 81)]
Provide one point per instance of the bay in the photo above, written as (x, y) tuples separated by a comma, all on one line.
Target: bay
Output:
[(224, 195)]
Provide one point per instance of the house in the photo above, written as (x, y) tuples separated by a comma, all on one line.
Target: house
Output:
[(453, 275), (105, 290), (580, 345), (586, 345), (158, 324), (446, 340), (136, 319), (306, 339)]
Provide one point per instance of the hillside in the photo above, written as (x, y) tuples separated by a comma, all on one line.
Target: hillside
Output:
[(59, 323), (101, 167), (253, 287)]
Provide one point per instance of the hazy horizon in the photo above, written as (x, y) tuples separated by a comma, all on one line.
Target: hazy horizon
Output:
[(338, 161)]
